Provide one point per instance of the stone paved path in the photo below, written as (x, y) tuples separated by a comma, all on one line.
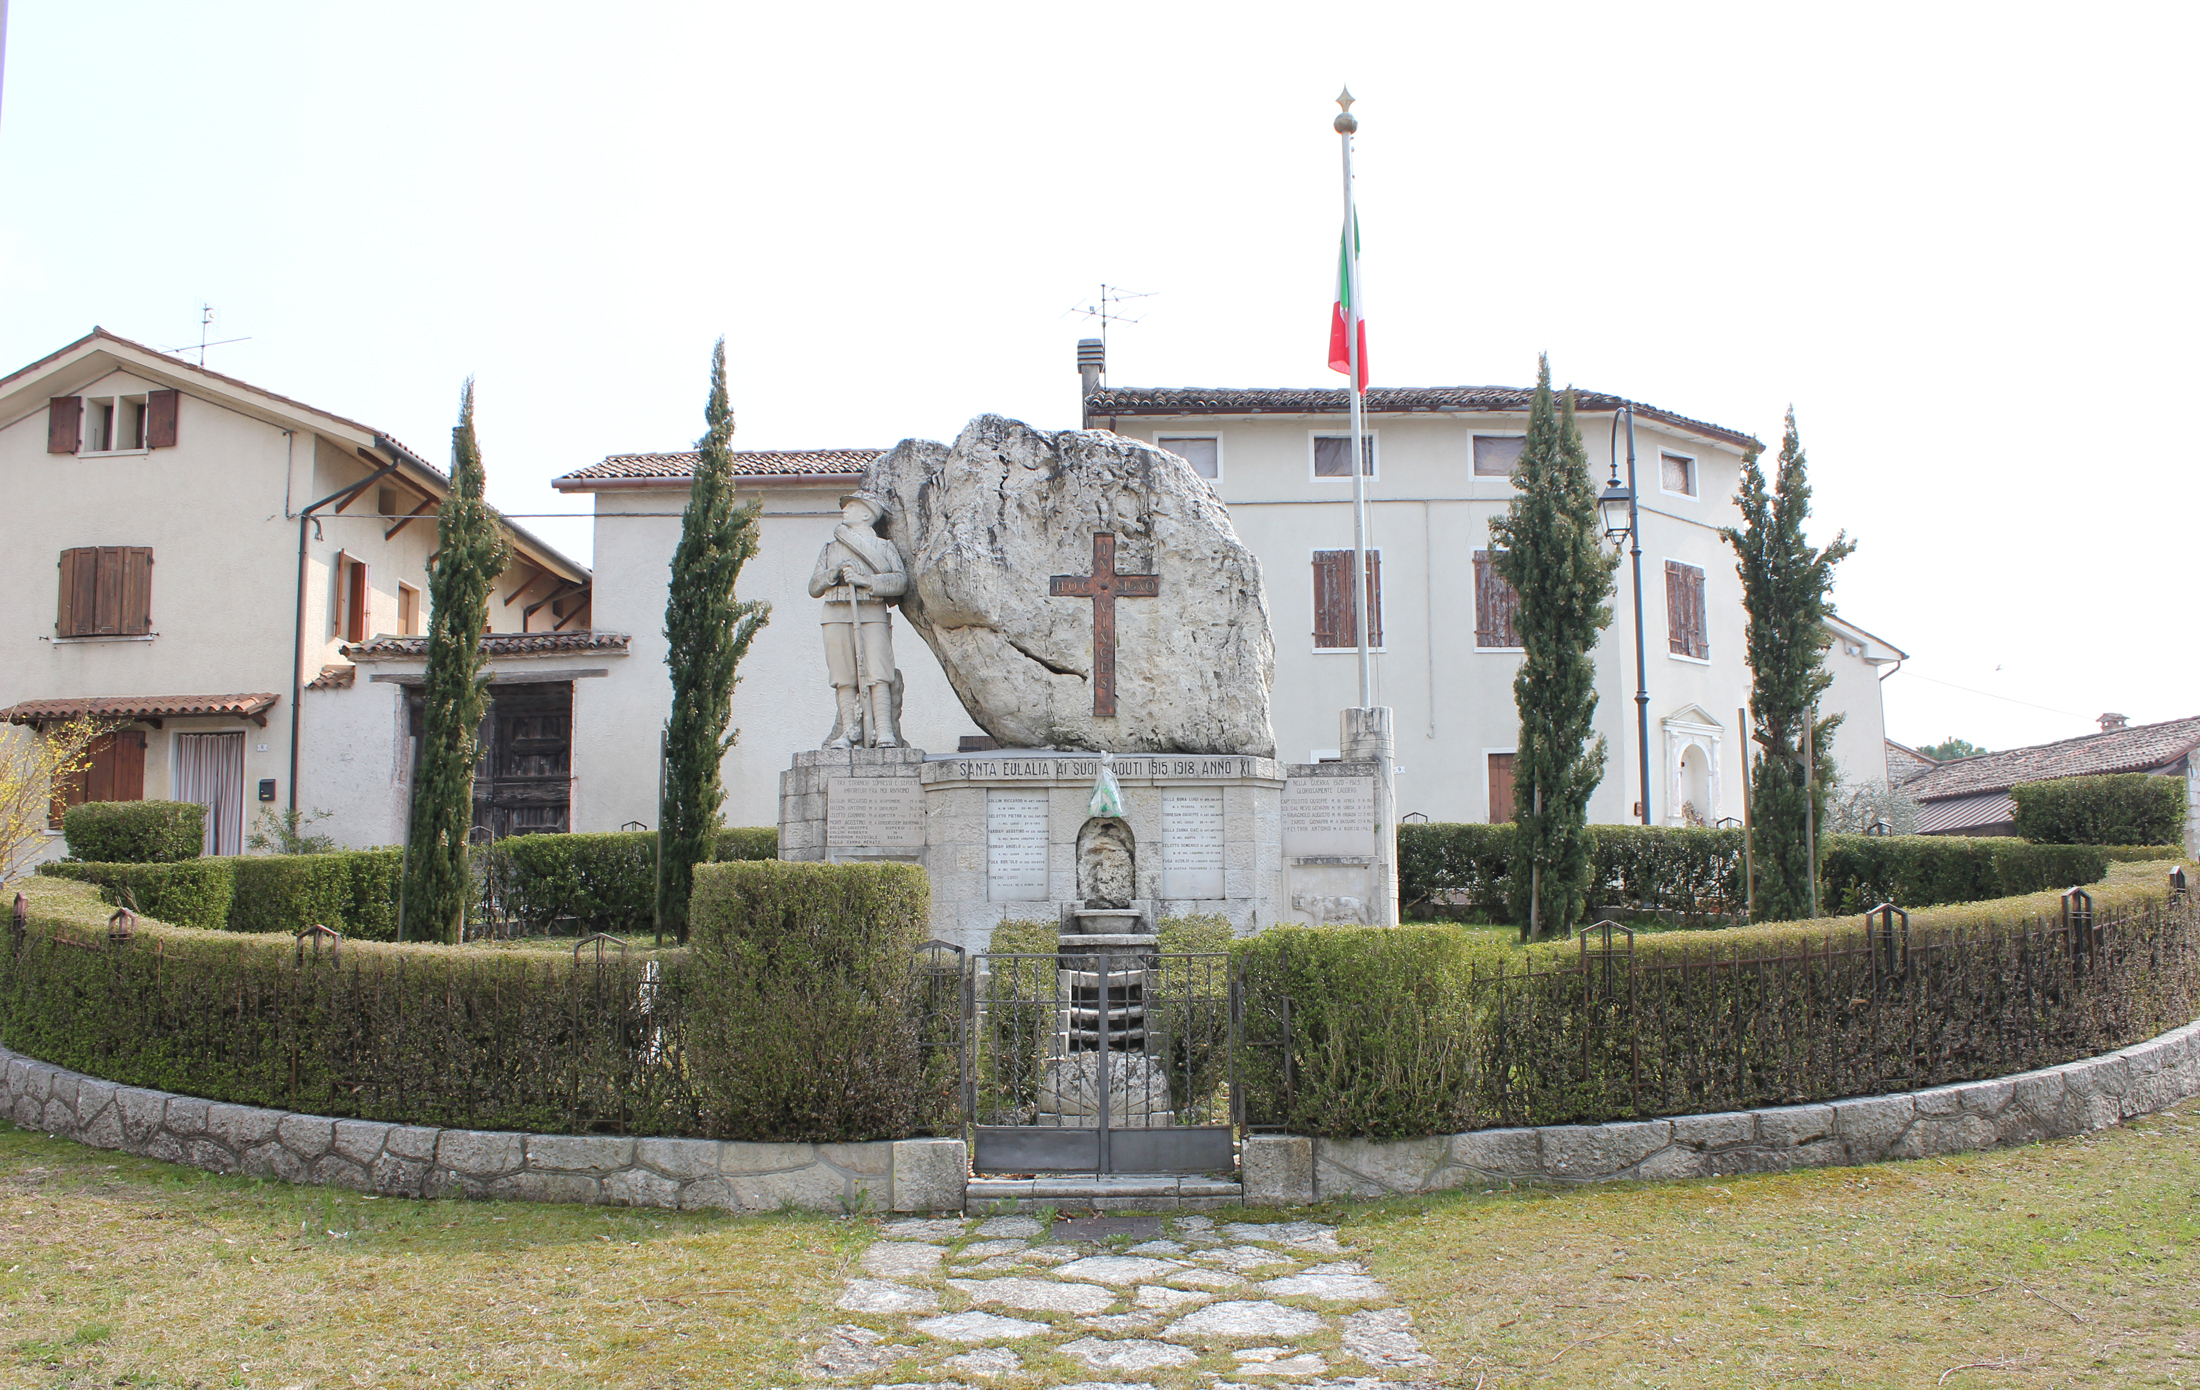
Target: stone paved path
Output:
[(1128, 1303)]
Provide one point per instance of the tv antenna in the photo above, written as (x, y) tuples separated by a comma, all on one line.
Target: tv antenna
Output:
[(1108, 308), (206, 320)]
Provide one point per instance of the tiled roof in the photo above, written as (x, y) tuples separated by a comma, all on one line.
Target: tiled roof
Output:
[(1384, 400), (2142, 748), (493, 645), (252, 707), (336, 675), (747, 463), (1905, 762)]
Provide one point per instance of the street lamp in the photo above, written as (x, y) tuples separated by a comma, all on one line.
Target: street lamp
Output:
[(1623, 527)]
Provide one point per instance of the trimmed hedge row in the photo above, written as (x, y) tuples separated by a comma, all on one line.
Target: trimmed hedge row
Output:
[(1447, 867), (796, 1016), (1402, 1032), (2132, 808), (350, 891), (134, 832), (604, 882)]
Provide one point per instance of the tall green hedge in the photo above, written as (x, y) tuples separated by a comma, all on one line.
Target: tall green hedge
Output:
[(748, 842), (2134, 808), (1445, 867), (1406, 1031), (1862, 871), (472, 1036), (350, 891), (805, 1020), (593, 882), (134, 832)]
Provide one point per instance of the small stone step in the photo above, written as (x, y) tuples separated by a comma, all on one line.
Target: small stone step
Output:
[(1107, 1192)]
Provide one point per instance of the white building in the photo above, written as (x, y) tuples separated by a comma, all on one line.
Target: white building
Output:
[(191, 557), (1439, 470)]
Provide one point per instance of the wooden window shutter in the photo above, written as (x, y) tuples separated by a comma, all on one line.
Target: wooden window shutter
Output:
[(355, 602), (137, 590), (1699, 635), (64, 422), (1676, 614), (107, 609), (1496, 605), (1501, 788), (1374, 600), (160, 419), (1332, 600), (78, 570), (126, 766)]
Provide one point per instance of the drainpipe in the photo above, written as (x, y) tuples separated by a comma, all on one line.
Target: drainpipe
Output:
[(298, 652)]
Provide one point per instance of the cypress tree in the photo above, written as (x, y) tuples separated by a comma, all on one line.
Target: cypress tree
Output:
[(1550, 548), (1787, 588), (470, 554), (707, 632)]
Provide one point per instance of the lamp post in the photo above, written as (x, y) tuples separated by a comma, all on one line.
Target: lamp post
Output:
[(1623, 525)]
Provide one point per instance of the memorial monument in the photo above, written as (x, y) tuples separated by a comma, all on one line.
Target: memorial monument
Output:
[(1096, 613)]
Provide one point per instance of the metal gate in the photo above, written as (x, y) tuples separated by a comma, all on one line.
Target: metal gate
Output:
[(1048, 1036)]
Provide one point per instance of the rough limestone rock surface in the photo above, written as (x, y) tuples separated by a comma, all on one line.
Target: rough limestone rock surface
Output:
[(984, 524)]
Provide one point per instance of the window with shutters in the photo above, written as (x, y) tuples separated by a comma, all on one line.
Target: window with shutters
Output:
[(1496, 606), (114, 770), (1333, 454), (408, 610), (1498, 455), (1335, 622), (1684, 611), (353, 599), (1202, 451), (125, 423), (106, 591), (1677, 474)]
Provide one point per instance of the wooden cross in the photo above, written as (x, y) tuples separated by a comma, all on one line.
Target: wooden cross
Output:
[(1103, 586)]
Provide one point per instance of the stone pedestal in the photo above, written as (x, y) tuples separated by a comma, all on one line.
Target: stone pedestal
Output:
[(1340, 835), (1003, 830), (853, 804)]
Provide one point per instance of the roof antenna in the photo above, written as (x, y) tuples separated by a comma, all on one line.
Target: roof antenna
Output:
[(206, 319), (1107, 311)]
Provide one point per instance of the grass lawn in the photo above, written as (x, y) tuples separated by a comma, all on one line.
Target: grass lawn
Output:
[(2070, 1263)]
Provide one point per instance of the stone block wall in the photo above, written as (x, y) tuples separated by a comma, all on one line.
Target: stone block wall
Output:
[(414, 1161), (1284, 1170)]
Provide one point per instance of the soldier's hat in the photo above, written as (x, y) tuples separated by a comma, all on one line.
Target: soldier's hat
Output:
[(876, 503)]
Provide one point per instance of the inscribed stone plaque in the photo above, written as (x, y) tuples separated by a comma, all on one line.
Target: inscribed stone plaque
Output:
[(1191, 844), (1015, 846), (883, 811), (1324, 816)]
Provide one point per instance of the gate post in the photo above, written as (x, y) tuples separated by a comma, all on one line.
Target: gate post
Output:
[(1107, 963)]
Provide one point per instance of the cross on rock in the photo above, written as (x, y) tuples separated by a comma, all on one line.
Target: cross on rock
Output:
[(1103, 586)]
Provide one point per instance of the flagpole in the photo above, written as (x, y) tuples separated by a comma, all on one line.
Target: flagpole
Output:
[(1345, 125)]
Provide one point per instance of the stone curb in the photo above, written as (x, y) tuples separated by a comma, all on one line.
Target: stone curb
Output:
[(2076, 1098), (410, 1161)]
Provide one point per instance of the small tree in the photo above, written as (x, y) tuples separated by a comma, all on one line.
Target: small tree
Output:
[(707, 632), (1787, 588), (1951, 748), (35, 764), (1550, 548), (470, 554)]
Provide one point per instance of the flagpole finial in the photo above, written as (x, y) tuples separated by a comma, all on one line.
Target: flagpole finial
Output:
[(1346, 122)]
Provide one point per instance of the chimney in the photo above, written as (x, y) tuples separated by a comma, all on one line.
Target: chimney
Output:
[(1092, 364), (2110, 723)]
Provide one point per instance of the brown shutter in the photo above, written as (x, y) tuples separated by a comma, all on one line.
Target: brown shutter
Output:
[(137, 590), (160, 419), (355, 603), (107, 608), (1374, 600), (1501, 788), (1496, 605), (1676, 610), (99, 777), (66, 620), (1699, 638), (1332, 601), (64, 423), (126, 766)]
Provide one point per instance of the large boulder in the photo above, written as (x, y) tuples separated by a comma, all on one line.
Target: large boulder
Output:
[(984, 525)]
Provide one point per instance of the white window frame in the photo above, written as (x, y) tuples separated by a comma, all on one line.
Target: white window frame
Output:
[(1509, 479), (114, 402), (1695, 475), (1311, 552), (1705, 571), (1374, 454), (1194, 434)]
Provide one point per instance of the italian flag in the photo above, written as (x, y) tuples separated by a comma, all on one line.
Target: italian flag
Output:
[(1340, 359)]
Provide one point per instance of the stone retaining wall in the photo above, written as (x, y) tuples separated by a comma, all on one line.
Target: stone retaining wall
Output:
[(1284, 1170), (414, 1161)]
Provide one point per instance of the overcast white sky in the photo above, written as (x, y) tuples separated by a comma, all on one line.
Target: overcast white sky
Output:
[(1958, 238)]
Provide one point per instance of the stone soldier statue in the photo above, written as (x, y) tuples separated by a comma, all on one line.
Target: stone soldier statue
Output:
[(858, 574)]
